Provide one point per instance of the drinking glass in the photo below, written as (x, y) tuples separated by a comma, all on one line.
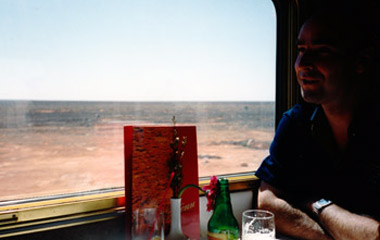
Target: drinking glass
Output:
[(258, 224), (148, 224)]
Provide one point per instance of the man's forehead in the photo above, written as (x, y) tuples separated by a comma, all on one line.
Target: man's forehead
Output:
[(319, 33), (318, 41)]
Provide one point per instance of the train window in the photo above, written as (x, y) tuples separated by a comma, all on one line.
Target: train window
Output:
[(72, 73)]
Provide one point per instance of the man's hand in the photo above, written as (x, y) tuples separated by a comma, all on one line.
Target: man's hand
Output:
[(342, 224)]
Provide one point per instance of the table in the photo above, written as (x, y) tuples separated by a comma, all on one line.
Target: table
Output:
[(282, 237)]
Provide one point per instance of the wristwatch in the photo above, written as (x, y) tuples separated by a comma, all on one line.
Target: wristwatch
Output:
[(320, 204)]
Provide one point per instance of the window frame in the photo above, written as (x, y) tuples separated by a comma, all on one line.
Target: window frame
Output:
[(43, 214), (61, 211)]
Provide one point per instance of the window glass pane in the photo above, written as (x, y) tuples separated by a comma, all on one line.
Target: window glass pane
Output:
[(72, 73)]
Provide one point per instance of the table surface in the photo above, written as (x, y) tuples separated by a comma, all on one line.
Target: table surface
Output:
[(282, 237), (278, 237)]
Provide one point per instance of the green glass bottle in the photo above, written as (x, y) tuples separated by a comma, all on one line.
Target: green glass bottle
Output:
[(222, 224)]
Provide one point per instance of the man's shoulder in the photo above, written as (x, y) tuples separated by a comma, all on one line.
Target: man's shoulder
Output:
[(296, 121), (369, 110), (301, 112)]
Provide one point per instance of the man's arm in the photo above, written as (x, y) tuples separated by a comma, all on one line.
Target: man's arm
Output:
[(342, 224), (336, 221), (289, 219)]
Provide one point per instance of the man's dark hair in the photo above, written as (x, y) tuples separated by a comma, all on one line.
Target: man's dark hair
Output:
[(357, 22)]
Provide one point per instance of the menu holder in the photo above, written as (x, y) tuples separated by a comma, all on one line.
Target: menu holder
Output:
[(147, 173)]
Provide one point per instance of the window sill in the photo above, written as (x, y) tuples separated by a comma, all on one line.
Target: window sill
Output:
[(34, 215)]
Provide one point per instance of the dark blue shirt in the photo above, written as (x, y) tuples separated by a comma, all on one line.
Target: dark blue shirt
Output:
[(305, 160)]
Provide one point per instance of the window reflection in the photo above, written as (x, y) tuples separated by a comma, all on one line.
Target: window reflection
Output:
[(73, 73)]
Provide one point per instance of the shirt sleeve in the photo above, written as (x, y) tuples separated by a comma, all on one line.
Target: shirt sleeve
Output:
[(277, 168)]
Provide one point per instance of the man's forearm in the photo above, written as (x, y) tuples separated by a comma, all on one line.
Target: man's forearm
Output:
[(294, 222), (342, 224), (289, 220)]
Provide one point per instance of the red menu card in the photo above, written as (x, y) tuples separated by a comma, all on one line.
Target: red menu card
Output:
[(147, 153)]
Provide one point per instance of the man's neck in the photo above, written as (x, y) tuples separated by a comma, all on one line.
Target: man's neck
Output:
[(339, 117)]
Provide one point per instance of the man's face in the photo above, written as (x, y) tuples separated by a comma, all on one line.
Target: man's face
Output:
[(323, 67)]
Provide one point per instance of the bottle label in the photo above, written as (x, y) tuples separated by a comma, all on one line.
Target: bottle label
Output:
[(220, 236)]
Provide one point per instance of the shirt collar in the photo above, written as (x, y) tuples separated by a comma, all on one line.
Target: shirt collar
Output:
[(318, 115), (316, 112), (322, 134)]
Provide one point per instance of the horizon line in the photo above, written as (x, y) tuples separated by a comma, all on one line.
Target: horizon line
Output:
[(137, 101)]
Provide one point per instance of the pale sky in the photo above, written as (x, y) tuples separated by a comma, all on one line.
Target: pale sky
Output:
[(137, 50)]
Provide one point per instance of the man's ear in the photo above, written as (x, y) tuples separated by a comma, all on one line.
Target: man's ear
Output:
[(364, 60)]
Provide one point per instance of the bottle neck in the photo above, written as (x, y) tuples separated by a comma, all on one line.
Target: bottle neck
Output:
[(223, 196)]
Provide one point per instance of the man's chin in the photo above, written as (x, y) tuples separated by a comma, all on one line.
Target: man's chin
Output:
[(311, 96)]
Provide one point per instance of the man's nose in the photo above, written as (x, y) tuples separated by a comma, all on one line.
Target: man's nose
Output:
[(304, 60)]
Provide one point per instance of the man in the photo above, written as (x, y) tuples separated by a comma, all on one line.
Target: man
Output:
[(322, 177)]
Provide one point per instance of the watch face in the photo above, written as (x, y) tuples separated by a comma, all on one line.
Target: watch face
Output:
[(323, 202), (319, 205)]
